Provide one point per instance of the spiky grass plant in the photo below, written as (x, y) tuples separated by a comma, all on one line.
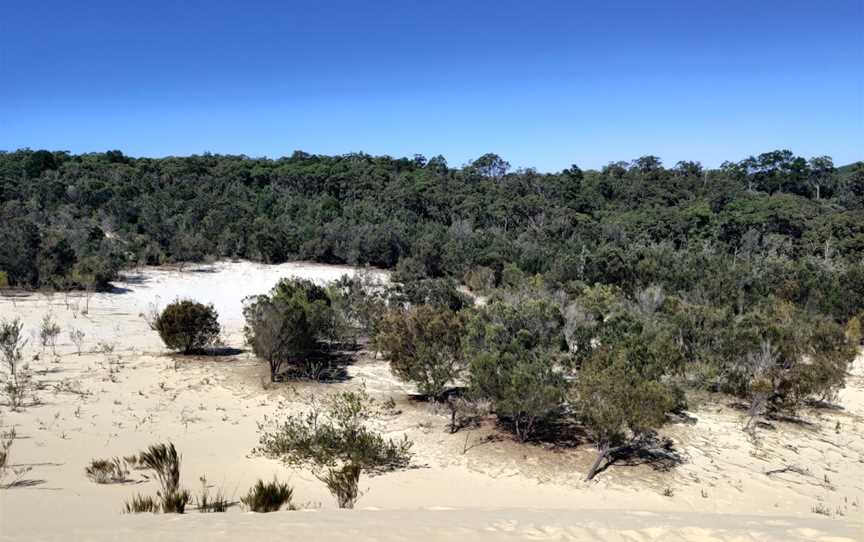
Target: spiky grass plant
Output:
[(268, 496)]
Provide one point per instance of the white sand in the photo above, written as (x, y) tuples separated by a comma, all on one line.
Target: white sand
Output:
[(496, 490)]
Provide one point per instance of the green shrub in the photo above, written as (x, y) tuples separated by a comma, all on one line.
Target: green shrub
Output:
[(424, 346), (334, 440), (268, 497), (187, 326)]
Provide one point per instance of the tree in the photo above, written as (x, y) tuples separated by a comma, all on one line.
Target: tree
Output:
[(187, 326), (617, 405), (424, 346), (491, 165), (278, 330), (822, 174), (334, 439), (513, 353)]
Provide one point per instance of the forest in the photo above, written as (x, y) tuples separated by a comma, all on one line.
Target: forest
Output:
[(601, 297)]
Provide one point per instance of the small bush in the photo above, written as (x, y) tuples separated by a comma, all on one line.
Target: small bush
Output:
[(187, 326), (77, 338), (268, 497), (107, 471), (140, 503), (48, 333), (18, 382)]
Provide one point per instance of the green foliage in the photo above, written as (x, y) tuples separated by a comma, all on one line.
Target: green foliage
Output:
[(334, 439), (17, 379), (48, 333), (286, 325), (268, 496), (187, 326), (616, 403), (516, 354), (424, 346)]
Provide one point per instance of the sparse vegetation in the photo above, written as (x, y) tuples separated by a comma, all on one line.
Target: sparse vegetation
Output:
[(333, 438), (164, 461), (268, 496), (187, 326), (141, 504), (48, 333), (17, 379), (107, 471), (206, 502), (77, 338), (7, 471)]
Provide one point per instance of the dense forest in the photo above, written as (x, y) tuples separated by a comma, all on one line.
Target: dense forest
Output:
[(606, 296), (775, 224)]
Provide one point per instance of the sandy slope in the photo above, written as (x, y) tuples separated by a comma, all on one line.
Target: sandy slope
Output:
[(474, 485)]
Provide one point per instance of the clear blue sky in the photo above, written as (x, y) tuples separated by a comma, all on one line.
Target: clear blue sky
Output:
[(544, 84)]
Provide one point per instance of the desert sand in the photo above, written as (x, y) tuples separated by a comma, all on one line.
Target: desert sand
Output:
[(795, 481)]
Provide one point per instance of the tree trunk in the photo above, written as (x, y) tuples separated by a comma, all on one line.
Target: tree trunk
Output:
[(602, 454)]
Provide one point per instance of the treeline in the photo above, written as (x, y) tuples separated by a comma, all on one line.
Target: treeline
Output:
[(73, 220)]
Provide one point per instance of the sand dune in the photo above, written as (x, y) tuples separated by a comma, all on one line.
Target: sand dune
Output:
[(474, 485)]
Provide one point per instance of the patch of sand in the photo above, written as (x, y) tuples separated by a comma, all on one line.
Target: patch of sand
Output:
[(474, 485)]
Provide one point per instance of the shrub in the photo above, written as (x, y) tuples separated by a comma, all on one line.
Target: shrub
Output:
[(424, 345), (268, 497), (48, 333), (284, 326), (523, 387), (334, 440), (515, 353), (77, 338), (140, 503), (187, 326), (617, 404), (17, 383), (106, 471), (6, 441)]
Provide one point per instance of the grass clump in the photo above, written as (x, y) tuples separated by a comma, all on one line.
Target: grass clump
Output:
[(164, 461), (107, 471), (140, 503), (207, 503), (268, 496)]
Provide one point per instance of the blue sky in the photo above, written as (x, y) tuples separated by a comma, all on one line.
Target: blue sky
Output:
[(544, 84)]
